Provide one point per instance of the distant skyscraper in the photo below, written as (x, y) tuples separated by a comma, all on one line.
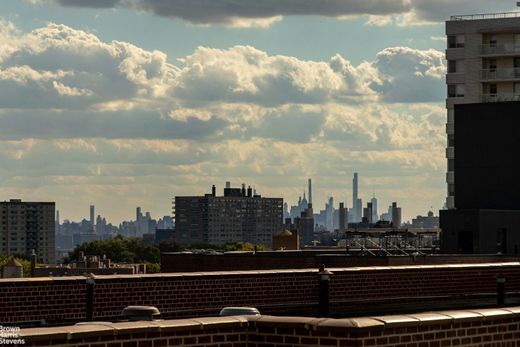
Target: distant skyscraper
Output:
[(342, 216), (310, 191), (92, 215), (375, 217), (330, 215), (354, 190), (359, 210), (138, 214), (396, 215), (355, 199)]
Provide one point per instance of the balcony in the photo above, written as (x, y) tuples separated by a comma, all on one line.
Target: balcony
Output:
[(500, 97), (450, 202), (499, 49), (450, 152), (450, 128), (450, 177), (500, 74)]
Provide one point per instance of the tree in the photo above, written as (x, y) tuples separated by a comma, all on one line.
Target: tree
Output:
[(25, 263), (119, 249)]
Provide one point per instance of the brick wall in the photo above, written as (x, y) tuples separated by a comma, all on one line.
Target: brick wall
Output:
[(181, 262), (489, 327), (63, 299)]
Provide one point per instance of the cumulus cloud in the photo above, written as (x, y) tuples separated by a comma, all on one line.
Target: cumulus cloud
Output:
[(57, 63), (95, 119), (410, 75), (261, 13), (64, 68), (246, 74)]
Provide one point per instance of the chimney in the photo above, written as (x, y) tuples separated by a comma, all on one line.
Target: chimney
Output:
[(249, 192), (228, 184), (213, 190), (243, 189)]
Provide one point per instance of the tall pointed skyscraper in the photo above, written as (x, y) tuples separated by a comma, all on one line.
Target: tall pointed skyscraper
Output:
[(375, 216), (310, 191), (355, 203)]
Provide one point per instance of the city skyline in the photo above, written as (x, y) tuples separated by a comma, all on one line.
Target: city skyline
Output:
[(173, 103)]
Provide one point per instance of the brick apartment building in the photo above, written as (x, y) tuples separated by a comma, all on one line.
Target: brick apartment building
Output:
[(237, 216), (27, 226)]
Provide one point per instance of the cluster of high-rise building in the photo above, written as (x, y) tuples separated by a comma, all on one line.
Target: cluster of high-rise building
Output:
[(70, 234), (331, 218)]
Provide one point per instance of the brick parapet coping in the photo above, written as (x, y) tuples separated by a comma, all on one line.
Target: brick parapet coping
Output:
[(258, 272), (482, 327)]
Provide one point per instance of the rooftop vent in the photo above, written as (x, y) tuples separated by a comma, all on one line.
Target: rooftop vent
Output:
[(136, 313)]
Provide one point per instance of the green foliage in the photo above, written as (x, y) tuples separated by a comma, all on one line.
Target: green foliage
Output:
[(244, 246), (119, 249), (134, 250), (152, 268), (25, 263)]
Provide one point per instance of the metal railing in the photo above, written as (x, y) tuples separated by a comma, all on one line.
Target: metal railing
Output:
[(494, 48), (500, 74), (485, 16), (500, 97)]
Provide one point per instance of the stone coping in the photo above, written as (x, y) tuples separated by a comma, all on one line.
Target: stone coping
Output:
[(308, 323), (260, 272)]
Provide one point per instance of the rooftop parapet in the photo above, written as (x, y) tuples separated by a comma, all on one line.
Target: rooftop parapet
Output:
[(447, 328), (481, 16)]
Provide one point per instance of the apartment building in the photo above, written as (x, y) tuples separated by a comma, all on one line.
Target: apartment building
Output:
[(237, 216), (27, 226), (483, 58)]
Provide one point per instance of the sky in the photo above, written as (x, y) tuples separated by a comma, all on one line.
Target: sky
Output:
[(125, 103)]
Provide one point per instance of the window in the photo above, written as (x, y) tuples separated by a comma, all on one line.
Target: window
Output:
[(517, 41), (492, 41), (455, 41), (516, 88), (492, 65), (492, 89), (455, 90), (452, 66)]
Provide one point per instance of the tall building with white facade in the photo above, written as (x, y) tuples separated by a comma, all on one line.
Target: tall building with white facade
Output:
[(27, 226), (483, 57)]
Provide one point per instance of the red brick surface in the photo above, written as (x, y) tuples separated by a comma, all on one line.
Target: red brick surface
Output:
[(450, 328), (202, 294)]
